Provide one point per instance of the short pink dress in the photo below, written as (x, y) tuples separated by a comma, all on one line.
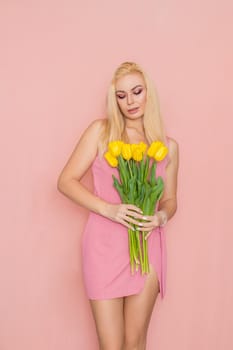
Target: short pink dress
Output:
[(106, 265)]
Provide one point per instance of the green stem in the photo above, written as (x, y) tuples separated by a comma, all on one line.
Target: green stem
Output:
[(130, 170), (139, 248), (130, 251), (134, 247)]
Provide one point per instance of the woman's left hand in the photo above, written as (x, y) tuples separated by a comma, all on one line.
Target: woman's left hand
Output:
[(150, 223)]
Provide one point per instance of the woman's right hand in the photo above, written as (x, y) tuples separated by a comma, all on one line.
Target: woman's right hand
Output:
[(125, 214)]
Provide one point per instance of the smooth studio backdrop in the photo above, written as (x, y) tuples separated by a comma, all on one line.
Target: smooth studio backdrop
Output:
[(56, 61)]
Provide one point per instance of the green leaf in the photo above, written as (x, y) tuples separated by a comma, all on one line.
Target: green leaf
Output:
[(152, 174), (119, 189), (134, 169), (146, 168), (146, 206), (141, 170), (160, 181), (132, 190), (160, 195)]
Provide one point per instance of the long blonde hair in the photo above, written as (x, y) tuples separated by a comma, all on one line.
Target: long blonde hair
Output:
[(114, 124)]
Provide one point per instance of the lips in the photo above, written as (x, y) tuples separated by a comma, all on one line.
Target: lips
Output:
[(133, 110)]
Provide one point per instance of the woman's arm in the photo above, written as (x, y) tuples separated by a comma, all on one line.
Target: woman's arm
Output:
[(80, 160), (168, 202), (69, 180)]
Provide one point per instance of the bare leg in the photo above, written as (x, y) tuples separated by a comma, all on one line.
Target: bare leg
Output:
[(137, 313), (109, 320)]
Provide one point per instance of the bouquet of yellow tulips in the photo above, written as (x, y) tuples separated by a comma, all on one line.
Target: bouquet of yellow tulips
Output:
[(137, 185)]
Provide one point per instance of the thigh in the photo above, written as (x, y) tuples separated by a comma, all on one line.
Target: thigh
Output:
[(109, 320), (138, 308)]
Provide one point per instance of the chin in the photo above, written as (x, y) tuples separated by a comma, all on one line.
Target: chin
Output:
[(134, 116)]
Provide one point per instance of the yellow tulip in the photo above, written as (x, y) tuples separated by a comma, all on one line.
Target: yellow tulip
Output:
[(137, 154), (133, 146), (114, 147), (126, 151), (143, 147), (111, 160), (154, 147), (161, 153)]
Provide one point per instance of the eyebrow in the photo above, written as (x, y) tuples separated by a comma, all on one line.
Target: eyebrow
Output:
[(131, 89)]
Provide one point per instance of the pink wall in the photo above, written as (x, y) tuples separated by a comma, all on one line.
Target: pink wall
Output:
[(57, 58)]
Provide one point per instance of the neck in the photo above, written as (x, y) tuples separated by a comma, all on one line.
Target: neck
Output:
[(134, 131), (135, 124)]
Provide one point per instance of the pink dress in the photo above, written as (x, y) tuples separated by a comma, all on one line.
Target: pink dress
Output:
[(106, 266)]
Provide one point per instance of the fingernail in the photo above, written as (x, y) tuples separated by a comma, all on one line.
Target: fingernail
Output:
[(140, 224), (144, 218)]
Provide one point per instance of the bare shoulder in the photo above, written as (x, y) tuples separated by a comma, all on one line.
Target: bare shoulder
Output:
[(92, 133), (84, 152), (96, 127), (88, 142)]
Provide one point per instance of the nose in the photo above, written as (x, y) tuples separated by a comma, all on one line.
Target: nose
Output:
[(129, 98)]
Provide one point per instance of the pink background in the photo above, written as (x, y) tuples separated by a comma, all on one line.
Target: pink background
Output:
[(57, 58)]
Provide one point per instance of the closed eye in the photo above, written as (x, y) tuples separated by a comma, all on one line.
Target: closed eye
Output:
[(137, 92)]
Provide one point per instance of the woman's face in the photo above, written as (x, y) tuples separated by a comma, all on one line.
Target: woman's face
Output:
[(131, 95)]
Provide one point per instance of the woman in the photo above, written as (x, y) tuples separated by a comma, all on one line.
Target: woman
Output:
[(121, 303)]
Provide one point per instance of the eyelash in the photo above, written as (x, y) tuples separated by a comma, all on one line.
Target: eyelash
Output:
[(135, 93)]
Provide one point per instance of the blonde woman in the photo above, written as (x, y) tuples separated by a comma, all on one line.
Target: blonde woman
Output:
[(121, 303)]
